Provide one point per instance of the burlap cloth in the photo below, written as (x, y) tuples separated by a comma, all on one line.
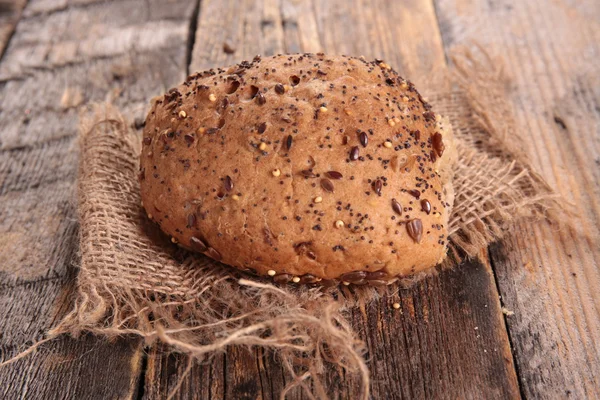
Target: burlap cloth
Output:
[(134, 281)]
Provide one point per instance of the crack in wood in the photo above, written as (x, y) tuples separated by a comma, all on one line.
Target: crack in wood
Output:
[(192, 36), (508, 331), (141, 379)]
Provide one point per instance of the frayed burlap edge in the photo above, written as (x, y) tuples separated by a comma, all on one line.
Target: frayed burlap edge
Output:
[(133, 281)]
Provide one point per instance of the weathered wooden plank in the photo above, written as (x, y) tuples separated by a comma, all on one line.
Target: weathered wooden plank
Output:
[(448, 338), (61, 56), (10, 14), (549, 276), (87, 367)]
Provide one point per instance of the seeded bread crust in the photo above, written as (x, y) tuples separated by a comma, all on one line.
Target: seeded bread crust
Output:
[(301, 167)]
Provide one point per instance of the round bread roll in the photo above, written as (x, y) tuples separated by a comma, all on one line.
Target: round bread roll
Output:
[(306, 168)]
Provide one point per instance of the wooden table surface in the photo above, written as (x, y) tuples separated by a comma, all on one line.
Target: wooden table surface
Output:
[(450, 338)]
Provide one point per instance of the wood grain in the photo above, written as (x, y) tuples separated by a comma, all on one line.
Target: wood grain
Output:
[(10, 13), (86, 367), (61, 56), (448, 339), (549, 276)]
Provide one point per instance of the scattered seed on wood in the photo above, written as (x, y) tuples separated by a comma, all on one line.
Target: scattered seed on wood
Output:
[(228, 49)]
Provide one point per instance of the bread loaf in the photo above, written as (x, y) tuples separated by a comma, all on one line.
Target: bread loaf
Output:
[(306, 168)]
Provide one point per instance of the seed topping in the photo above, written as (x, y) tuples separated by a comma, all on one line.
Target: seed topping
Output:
[(333, 175), (415, 229), (327, 185)]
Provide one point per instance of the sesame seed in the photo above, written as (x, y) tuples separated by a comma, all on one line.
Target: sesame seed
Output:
[(201, 130), (296, 279), (387, 144), (323, 109), (339, 223), (346, 283), (405, 99), (271, 272), (391, 122), (347, 111), (318, 199), (182, 114), (173, 240), (397, 120), (149, 216), (396, 305), (276, 172), (262, 146), (212, 97), (235, 197)]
